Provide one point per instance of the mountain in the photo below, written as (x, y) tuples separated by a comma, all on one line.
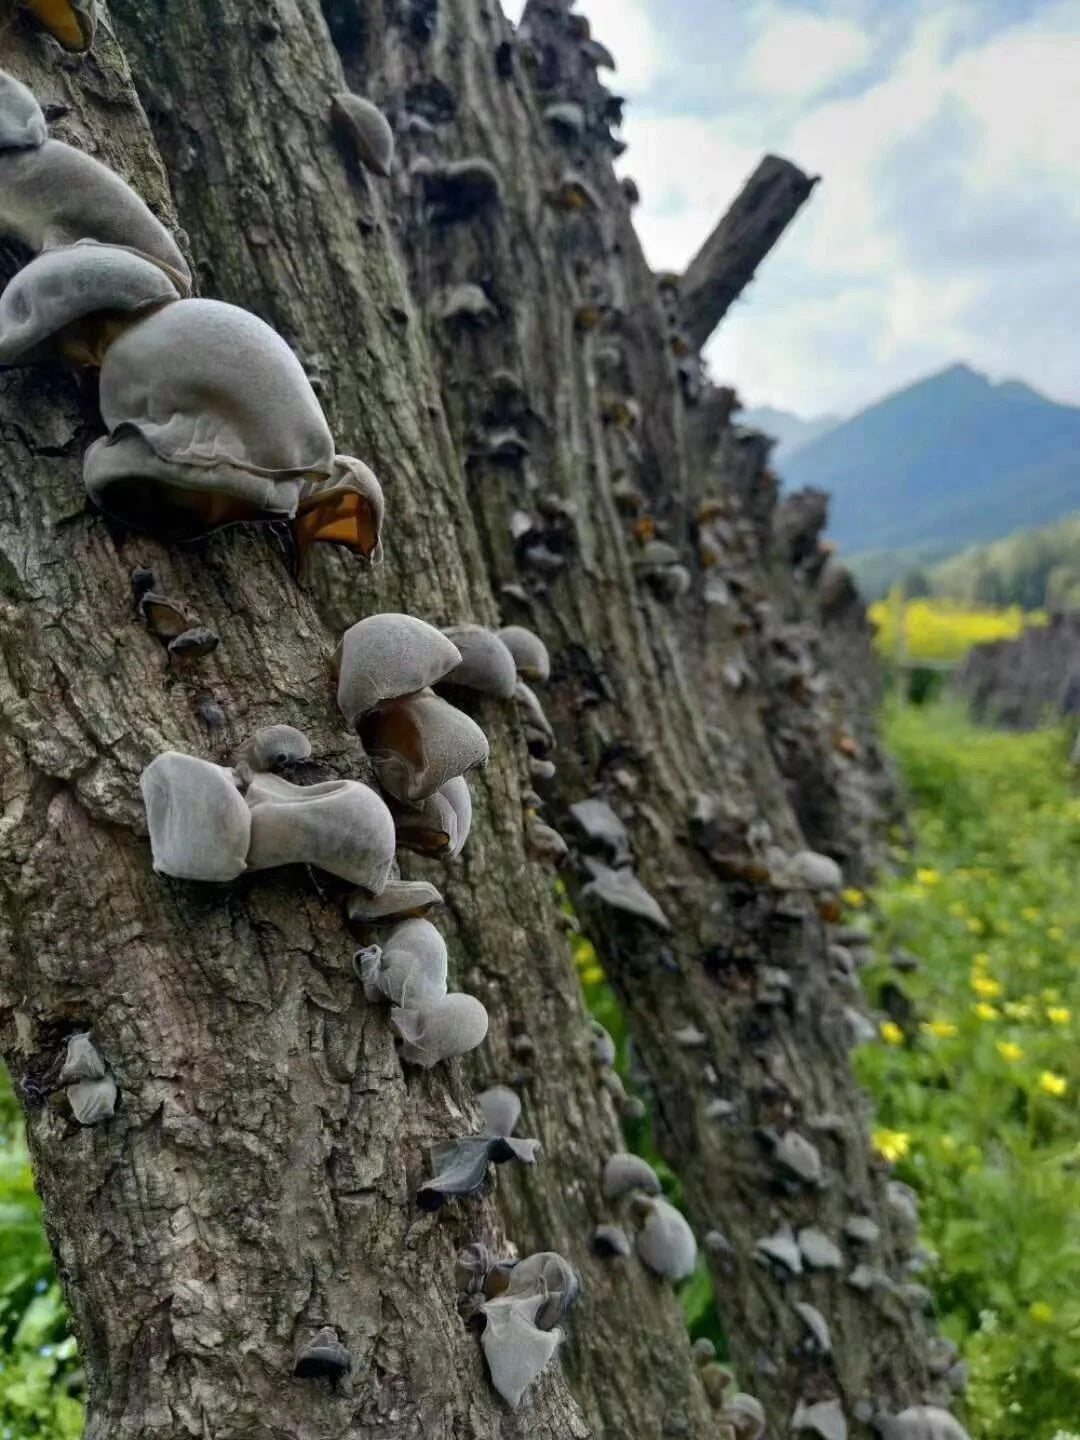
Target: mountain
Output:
[(950, 461), (789, 431)]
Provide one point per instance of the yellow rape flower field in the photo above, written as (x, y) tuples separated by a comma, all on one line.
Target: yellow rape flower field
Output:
[(943, 630), (978, 1099)]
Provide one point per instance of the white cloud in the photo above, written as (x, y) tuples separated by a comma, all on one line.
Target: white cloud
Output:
[(797, 54)]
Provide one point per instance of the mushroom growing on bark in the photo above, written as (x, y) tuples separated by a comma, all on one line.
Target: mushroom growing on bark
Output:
[(200, 826), (384, 657), (520, 1337), (22, 122), (340, 826), (486, 664), (399, 900), (212, 421), (665, 1242), (75, 299), (346, 509), (447, 1027), (409, 969), (529, 651), (419, 742), (367, 130), (53, 194), (438, 825)]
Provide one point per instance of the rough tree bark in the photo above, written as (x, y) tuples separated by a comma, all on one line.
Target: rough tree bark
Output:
[(259, 1178)]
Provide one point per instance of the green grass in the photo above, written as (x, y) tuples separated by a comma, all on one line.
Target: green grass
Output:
[(976, 1091)]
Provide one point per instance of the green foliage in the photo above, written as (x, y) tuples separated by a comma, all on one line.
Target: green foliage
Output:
[(976, 1099), (40, 1383), (1031, 568)]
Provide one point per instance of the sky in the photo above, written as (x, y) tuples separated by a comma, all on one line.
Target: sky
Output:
[(947, 223)]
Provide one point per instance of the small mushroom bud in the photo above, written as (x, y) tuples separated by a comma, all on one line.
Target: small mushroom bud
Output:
[(611, 1242), (272, 747), (622, 890), (22, 124), (529, 652), (164, 617), (920, 1422), (462, 188), (780, 1252), (409, 970), (602, 829), (340, 826), (471, 1266), (630, 190), (54, 195), (445, 1028), (323, 1358), (862, 1230), (367, 130), (418, 743), (440, 824), (566, 118), (604, 1051), (75, 299), (597, 54), (388, 656), (541, 769), (69, 22), (545, 843), (745, 1415), (200, 827), (193, 644), (629, 1106), (818, 1250), (538, 731), (807, 870), (624, 1172), (486, 663), (501, 1109), (716, 1380), (347, 509), (666, 1243), (82, 1061), (819, 1338), (703, 1350), (93, 1101), (824, 1419), (795, 1154), (398, 900), (464, 303)]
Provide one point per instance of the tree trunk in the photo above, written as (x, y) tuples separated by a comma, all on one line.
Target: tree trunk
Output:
[(259, 1179)]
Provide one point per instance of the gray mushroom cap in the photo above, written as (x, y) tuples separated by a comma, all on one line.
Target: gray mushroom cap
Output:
[(819, 1252), (398, 900), (611, 1242), (200, 827), (273, 746), (464, 302), (124, 478), (55, 194), (548, 1274), (340, 826), (622, 890), (501, 1109), (665, 1242), (82, 1061), (516, 1350), (368, 130), (816, 1325), (921, 1422), (440, 824), (384, 657), (347, 508), (599, 823), (93, 1101), (410, 969), (60, 287), (745, 1414), (825, 1419), (624, 1172), (529, 651), (22, 123), (419, 743), (207, 384), (486, 663), (445, 1028)]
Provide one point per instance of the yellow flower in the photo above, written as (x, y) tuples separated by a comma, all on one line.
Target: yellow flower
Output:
[(1053, 1084), (854, 898), (940, 1029), (1041, 1312), (1010, 1051), (1051, 996), (981, 959), (593, 976), (1056, 933), (985, 1011), (986, 986), (891, 1145), (891, 1033), (927, 877), (1031, 912), (975, 925), (958, 909), (1058, 1014)]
